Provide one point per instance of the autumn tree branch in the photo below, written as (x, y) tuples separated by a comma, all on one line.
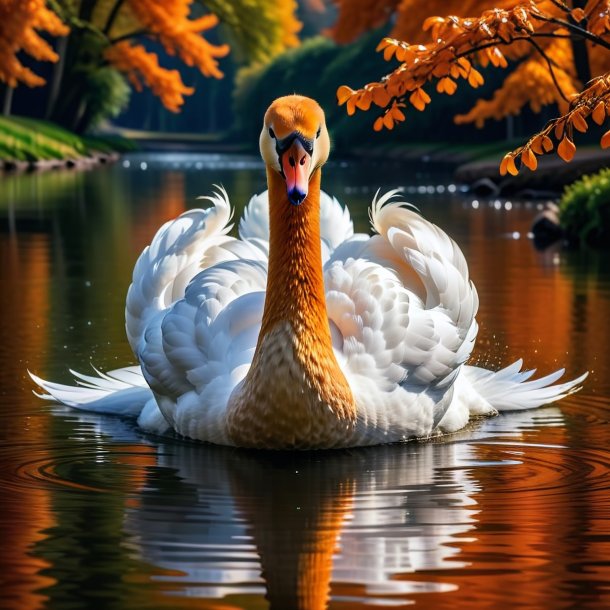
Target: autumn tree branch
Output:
[(112, 16), (459, 45), (561, 6), (598, 40), (129, 36), (498, 42)]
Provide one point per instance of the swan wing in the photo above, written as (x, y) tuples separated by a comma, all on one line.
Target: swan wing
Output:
[(402, 299), (196, 352), (430, 266), (402, 309), (180, 249)]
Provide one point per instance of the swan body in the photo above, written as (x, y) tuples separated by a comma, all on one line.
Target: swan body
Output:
[(300, 333)]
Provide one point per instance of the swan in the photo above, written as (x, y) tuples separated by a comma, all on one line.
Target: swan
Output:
[(300, 334)]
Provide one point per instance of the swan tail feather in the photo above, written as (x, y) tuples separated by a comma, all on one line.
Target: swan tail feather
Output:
[(119, 392), (509, 389)]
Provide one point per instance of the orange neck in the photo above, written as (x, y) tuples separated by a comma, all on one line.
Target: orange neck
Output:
[(294, 394), (295, 283)]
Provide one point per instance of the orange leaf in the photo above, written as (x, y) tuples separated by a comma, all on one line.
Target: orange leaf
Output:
[(528, 158), (388, 121), (577, 14), (559, 130), (475, 78), (599, 113), (508, 165), (464, 63), (344, 93), (388, 52), (605, 141), (418, 100), (378, 124), (385, 42), (381, 97), (397, 114), (536, 145), (449, 86), (417, 103), (351, 106), (363, 101), (547, 144), (496, 57), (566, 149), (430, 21), (405, 54), (441, 69), (579, 123)]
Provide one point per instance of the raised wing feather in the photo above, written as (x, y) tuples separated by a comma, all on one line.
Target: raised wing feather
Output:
[(402, 300), (174, 256)]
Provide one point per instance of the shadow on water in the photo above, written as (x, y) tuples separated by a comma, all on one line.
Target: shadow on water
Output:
[(512, 512)]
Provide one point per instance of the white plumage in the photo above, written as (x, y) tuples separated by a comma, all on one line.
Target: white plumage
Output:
[(401, 308)]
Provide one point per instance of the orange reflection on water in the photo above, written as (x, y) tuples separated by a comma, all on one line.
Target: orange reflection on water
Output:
[(26, 508), (548, 308), (169, 204)]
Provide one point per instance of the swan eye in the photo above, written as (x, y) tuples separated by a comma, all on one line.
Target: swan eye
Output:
[(272, 133), (318, 132)]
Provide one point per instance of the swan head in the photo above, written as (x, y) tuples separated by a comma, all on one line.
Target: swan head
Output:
[(294, 142)]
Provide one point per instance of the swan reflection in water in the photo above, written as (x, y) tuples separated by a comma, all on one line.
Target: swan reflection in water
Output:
[(367, 526)]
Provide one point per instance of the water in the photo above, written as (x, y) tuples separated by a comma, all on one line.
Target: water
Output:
[(512, 512)]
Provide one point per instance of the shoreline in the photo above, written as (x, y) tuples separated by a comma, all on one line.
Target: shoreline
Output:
[(475, 165), (13, 166)]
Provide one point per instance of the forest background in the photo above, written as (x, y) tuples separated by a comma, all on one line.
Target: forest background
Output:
[(207, 69)]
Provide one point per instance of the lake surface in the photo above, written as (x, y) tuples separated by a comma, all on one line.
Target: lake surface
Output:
[(514, 512)]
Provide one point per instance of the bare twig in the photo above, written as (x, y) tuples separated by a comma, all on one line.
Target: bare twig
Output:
[(551, 65)]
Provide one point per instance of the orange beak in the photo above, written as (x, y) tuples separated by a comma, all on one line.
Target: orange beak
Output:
[(296, 163)]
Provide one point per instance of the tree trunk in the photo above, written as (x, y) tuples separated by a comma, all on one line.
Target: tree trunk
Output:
[(579, 51), (58, 73), (7, 100)]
